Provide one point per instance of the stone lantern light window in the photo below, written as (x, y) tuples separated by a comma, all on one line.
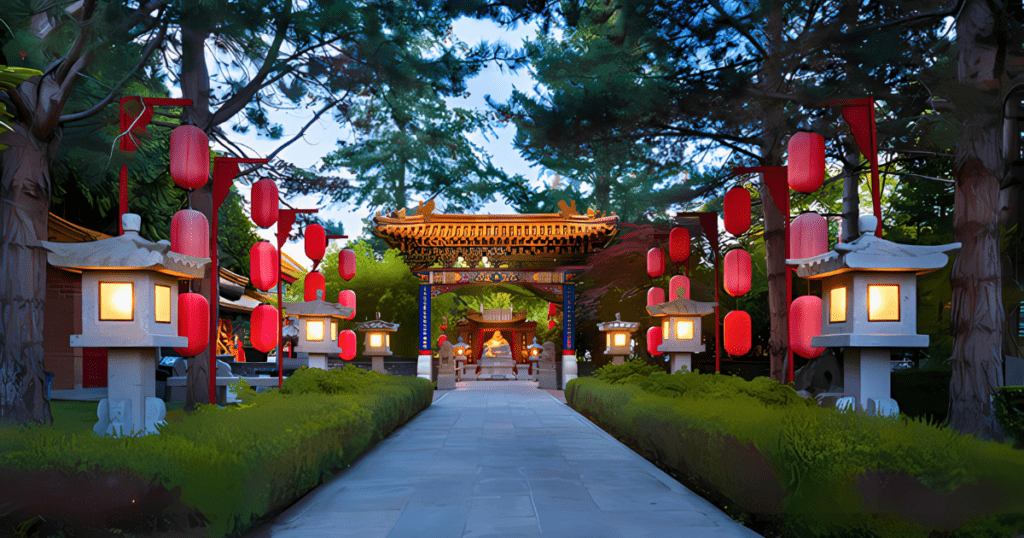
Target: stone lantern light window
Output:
[(117, 301)]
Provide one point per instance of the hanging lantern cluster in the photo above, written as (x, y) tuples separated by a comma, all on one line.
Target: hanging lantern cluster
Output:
[(808, 237), (736, 271), (264, 266), (552, 312)]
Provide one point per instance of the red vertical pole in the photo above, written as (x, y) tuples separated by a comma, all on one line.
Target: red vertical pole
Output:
[(280, 315), (214, 306), (122, 198)]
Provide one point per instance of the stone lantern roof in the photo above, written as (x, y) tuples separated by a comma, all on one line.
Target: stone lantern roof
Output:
[(377, 325), (126, 252), (618, 324), (318, 307), (870, 253), (682, 307)]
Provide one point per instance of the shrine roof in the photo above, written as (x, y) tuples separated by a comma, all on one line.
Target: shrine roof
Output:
[(618, 324), (317, 308), (870, 253), (682, 306)]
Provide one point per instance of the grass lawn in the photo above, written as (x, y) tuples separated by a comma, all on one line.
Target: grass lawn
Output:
[(72, 416)]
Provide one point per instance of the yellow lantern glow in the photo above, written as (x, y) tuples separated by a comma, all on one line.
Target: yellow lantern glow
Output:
[(684, 329), (334, 330), (162, 303), (620, 339), (664, 329), (607, 340), (315, 330), (387, 339), (376, 340), (883, 302), (117, 301), (837, 305)]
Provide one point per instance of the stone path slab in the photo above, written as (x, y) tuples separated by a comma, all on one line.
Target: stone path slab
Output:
[(501, 459)]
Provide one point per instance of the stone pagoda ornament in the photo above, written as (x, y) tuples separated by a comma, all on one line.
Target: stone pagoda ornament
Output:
[(869, 305), (618, 335), (377, 344), (130, 306), (315, 327), (681, 330)]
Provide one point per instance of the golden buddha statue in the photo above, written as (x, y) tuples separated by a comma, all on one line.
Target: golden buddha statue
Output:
[(497, 344)]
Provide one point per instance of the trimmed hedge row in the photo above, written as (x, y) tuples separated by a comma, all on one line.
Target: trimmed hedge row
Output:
[(822, 472), (225, 466)]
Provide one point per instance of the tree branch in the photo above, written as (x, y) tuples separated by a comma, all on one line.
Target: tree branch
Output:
[(735, 24), (78, 47), (331, 104)]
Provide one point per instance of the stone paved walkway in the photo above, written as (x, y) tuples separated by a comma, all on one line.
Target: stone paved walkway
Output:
[(501, 459)]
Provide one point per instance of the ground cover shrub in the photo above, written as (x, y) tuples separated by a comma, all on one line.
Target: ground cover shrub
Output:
[(225, 466), (822, 471), (1008, 406)]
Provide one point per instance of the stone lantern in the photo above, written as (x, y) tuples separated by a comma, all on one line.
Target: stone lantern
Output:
[(681, 330), (869, 304), (315, 329), (618, 335), (377, 344), (533, 355), (130, 306)]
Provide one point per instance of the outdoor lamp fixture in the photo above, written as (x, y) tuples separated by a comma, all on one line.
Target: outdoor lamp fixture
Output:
[(681, 329), (316, 318), (869, 296), (534, 349), (378, 340), (130, 305), (618, 334)]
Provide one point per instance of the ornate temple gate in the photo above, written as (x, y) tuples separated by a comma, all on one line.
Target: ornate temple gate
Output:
[(541, 251)]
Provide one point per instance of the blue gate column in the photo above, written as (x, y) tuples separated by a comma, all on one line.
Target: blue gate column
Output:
[(423, 361), (568, 333)]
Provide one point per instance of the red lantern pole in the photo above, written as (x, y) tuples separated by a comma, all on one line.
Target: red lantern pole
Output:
[(127, 122), (285, 220)]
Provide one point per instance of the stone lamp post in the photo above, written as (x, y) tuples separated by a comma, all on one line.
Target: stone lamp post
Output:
[(377, 344), (130, 306), (681, 330), (315, 332), (534, 350), (869, 305), (618, 334)]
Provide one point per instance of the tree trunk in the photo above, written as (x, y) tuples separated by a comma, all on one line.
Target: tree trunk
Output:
[(978, 320), (24, 214), (851, 191)]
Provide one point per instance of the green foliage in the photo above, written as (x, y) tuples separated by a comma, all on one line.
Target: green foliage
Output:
[(11, 77), (1008, 406), (236, 234), (336, 381)]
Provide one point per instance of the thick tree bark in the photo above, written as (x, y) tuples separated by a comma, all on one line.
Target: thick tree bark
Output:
[(851, 190), (977, 313)]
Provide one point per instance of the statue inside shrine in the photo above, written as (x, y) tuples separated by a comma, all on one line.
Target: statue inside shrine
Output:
[(497, 347)]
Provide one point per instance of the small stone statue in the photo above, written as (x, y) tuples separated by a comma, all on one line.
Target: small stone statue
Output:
[(547, 356), (547, 373), (446, 368)]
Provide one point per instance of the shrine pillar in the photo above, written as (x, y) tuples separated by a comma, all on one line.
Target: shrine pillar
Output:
[(569, 370), (423, 361)]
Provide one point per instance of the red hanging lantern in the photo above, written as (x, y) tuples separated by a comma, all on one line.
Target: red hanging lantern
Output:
[(805, 166), (551, 324), (190, 234), (347, 298), (263, 324), (808, 236), (655, 262), (736, 328), (804, 324), (679, 244), (552, 310), (190, 157), (736, 212), (265, 203), (678, 286), (736, 272), (193, 323), (263, 266), (441, 339), (347, 343), (655, 296), (314, 282), (654, 339), (347, 264), (316, 242)]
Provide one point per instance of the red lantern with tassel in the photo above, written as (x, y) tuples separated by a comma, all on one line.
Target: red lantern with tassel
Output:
[(655, 296), (736, 272), (655, 262), (190, 234), (805, 166), (736, 331), (347, 343), (441, 339), (263, 323), (190, 157), (736, 212), (678, 286), (193, 323), (347, 298), (263, 266), (265, 203), (313, 282), (552, 310), (654, 339), (347, 264), (679, 244), (316, 242), (551, 324), (808, 236), (804, 324)]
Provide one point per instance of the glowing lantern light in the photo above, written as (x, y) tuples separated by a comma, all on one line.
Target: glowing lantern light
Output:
[(655, 262), (678, 286), (348, 298), (804, 324), (347, 264), (313, 282), (551, 324), (190, 234), (263, 324), (654, 339), (263, 265), (655, 296), (736, 327), (808, 236), (193, 323), (552, 310), (264, 203), (190, 157), (316, 242), (736, 272), (441, 339), (805, 167), (679, 244), (736, 212), (347, 343)]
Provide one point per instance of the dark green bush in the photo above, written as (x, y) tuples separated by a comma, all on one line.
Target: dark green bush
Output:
[(613, 373), (1008, 405)]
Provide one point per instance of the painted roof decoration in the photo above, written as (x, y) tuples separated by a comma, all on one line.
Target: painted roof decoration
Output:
[(618, 324), (377, 325), (870, 253), (682, 306), (318, 307), (125, 252)]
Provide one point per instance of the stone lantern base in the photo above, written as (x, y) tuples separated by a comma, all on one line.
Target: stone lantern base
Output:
[(130, 407), (318, 360), (377, 364), (866, 378), (680, 361)]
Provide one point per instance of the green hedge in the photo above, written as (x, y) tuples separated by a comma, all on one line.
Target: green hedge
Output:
[(822, 472), (1008, 405), (227, 465)]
